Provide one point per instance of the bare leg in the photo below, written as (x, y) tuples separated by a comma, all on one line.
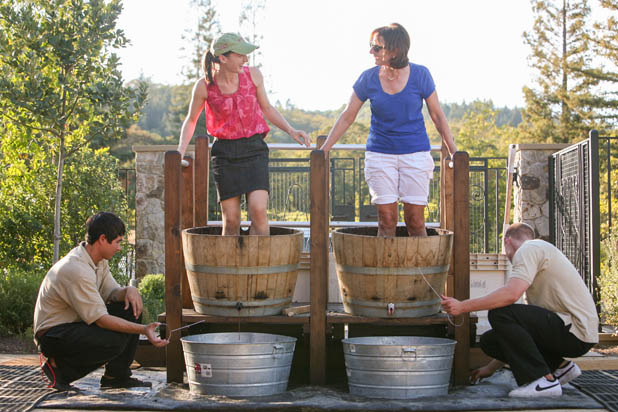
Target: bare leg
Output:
[(414, 215), (230, 211), (387, 219), (258, 203)]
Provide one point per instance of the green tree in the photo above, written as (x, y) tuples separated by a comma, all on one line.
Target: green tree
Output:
[(60, 85), (27, 180), (562, 108), (478, 132), (604, 39), (199, 38)]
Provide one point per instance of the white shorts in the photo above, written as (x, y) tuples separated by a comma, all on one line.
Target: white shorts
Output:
[(393, 177)]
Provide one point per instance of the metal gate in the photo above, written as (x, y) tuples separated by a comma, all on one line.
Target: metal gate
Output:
[(574, 207)]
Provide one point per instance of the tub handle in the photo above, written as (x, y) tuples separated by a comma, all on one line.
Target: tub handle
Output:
[(407, 352), (278, 349)]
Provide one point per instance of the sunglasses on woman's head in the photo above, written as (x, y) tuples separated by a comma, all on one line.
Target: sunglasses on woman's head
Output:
[(375, 47)]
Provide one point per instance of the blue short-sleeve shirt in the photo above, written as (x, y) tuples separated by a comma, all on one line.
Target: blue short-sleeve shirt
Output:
[(397, 124)]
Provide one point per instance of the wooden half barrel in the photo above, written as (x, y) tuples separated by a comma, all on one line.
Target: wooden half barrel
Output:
[(391, 277), (242, 275)]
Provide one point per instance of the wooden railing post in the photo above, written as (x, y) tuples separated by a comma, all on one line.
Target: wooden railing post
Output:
[(461, 261), (447, 209), (319, 265), (201, 180), (187, 216), (173, 273)]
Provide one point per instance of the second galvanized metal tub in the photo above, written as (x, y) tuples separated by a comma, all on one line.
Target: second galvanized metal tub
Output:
[(238, 364), (398, 367)]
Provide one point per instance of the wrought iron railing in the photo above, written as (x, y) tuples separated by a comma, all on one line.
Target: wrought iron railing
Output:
[(349, 195), (574, 205)]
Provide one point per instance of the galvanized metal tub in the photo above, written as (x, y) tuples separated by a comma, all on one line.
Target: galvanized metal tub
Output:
[(241, 275), (238, 364), (398, 367), (390, 277)]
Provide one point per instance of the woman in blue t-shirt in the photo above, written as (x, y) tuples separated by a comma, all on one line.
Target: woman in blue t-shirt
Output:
[(398, 163)]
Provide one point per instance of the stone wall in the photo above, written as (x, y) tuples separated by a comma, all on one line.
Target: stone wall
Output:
[(149, 209), (531, 187)]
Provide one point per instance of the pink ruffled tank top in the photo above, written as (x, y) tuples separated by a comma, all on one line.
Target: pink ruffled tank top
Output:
[(237, 115)]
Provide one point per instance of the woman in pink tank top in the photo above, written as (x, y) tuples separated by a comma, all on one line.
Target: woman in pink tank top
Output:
[(236, 104)]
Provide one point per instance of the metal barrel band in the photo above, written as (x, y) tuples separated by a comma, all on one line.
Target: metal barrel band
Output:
[(241, 270), (399, 271), (230, 303), (400, 305)]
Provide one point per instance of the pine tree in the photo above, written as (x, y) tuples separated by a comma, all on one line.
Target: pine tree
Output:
[(249, 20), (562, 108), (604, 42)]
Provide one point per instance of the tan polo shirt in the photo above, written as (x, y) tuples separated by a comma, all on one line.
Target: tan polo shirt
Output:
[(556, 285), (74, 290)]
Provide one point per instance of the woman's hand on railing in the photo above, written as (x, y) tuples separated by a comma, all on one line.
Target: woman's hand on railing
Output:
[(301, 137), (184, 163)]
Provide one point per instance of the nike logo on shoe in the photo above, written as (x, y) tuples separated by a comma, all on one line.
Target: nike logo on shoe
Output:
[(539, 388), (565, 372)]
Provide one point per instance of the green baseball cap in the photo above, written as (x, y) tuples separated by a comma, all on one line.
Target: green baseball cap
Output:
[(231, 42)]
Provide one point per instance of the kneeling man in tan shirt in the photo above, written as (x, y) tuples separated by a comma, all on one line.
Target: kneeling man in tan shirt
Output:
[(84, 319), (560, 319)]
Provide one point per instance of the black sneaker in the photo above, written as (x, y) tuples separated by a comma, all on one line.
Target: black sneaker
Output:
[(124, 383), (54, 379)]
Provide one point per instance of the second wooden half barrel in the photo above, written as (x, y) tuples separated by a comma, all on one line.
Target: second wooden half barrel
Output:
[(242, 275), (397, 277)]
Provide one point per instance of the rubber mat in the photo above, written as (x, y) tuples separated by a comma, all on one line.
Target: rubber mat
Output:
[(601, 385), (489, 395), (21, 387)]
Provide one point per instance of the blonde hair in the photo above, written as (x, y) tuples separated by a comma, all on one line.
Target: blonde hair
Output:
[(520, 231)]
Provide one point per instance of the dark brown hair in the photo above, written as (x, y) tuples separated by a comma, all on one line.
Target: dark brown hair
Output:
[(207, 60), (104, 223), (397, 40)]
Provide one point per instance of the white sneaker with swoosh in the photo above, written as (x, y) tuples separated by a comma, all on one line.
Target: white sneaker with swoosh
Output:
[(567, 373), (540, 387)]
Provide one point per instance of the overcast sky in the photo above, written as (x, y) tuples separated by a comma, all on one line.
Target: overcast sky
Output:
[(313, 50)]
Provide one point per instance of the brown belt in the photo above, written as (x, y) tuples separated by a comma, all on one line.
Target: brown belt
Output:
[(40, 333)]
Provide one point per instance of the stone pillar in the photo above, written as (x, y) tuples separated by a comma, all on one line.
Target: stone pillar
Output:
[(531, 187), (149, 208)]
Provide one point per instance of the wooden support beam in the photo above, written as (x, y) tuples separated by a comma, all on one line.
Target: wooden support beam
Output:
[(444, 160), (201, 180), (186, 221), (319, 266), (461, 262), (173, 302), (447, 208)]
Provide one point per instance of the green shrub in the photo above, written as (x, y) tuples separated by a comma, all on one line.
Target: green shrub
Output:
[(608, 280), (18, 292), (152, 290)]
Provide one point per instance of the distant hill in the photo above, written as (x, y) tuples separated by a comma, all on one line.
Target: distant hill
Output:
[(167, 105)]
